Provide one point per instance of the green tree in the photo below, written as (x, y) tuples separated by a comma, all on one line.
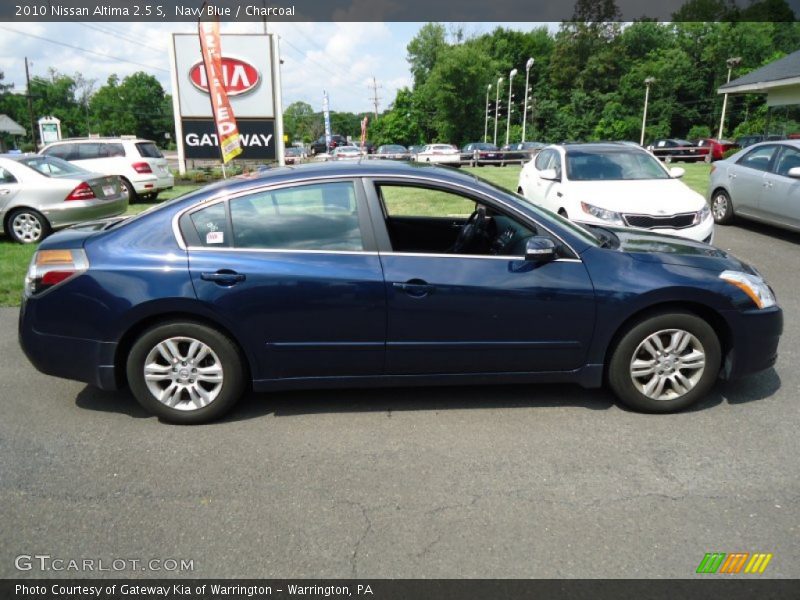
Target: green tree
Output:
[(424, 49)]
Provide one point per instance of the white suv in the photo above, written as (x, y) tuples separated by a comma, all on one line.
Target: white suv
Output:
[(138, 162)]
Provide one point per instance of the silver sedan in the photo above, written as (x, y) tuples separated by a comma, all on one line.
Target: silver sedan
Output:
[(761, 182), (42, 193)]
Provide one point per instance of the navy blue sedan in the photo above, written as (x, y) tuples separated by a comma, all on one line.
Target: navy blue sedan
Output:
[(385, 274)]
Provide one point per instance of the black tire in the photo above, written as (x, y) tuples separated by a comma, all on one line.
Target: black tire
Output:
[(132, 195), (230, 360), (38, 227), (622, 381), (151, 197), (722, 207), (563, 213)]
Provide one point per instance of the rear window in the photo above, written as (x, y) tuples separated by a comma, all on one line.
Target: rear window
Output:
[(148, 150), (50, 166)]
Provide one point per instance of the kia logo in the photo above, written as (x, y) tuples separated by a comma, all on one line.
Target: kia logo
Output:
[(238, 76)]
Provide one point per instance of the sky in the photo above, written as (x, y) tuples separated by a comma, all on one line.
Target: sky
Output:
[(341, 58)]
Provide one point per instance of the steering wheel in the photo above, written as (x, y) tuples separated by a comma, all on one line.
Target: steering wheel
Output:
[(473, 229)]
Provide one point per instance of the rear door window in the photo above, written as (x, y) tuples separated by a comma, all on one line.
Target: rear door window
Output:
[(89, 151), (308, 217), (788, 159)]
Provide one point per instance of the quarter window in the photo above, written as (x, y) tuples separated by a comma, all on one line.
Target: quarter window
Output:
[(309, 217), (6, 177), (211, 225)]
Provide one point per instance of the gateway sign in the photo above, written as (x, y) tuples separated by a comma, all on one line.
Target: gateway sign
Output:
[(252, 81)]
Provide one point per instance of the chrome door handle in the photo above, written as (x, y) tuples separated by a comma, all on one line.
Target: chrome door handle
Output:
[(5, 192)]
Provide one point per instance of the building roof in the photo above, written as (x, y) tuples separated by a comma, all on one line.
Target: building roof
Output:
[(9, 125), (782, 72)]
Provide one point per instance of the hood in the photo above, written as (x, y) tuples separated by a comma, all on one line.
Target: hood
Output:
[(642, 197), (669, 249)]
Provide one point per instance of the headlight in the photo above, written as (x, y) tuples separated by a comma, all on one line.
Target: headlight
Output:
[(603, 214), (702, 215), (752, 285)]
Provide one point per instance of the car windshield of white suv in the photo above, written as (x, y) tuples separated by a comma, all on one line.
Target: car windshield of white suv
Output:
[(616, 164)]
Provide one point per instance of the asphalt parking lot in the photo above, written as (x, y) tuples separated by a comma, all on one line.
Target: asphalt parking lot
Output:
[(549, 481)]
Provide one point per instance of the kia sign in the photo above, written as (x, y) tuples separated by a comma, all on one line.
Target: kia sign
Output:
[(252, 81), (238, 76), (247, 75)]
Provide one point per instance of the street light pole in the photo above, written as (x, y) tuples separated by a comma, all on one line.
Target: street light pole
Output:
[(528, 66), (30, 106), (497, 108), (647, 83), (510, 105), (486, 115), (731, 62)]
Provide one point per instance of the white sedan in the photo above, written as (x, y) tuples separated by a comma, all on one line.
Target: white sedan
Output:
[(616, 184), (440, 153)]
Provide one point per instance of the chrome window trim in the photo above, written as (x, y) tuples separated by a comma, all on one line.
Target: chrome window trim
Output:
[(222, 197)]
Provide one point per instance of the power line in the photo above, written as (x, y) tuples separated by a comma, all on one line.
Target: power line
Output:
[(79, 49), (121, 36)]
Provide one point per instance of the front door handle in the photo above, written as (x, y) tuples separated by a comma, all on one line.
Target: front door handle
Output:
[(5, 192), (416, 288), (224, 277)]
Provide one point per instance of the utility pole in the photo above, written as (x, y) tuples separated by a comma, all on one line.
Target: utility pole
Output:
[(375, 97), (30, 106)]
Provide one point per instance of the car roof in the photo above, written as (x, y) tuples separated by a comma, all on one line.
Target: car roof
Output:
[(596, 146), (117, 140)]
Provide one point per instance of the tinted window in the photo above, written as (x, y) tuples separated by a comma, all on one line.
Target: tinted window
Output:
[(311, 217), (788, 159), (148, 150), (65, 151), (6, 177), (758, 158), (211, 225), (90, 151)]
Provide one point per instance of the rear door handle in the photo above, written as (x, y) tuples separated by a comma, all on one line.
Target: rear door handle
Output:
[(416, 288), (223, 277)]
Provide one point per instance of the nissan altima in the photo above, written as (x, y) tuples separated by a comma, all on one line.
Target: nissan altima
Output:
[(385, 273)]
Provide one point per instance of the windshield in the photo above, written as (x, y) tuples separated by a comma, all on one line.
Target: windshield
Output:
[(50, 166), (612, 164)]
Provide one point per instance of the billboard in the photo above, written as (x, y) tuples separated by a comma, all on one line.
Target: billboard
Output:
[(250, 76)]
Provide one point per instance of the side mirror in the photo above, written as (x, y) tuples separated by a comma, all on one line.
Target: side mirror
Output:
[(677, 172), (540, 249), (550, 174), (794, 172)]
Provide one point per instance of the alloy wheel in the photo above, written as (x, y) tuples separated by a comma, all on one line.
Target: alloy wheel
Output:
[(27, 228), (667, 364)]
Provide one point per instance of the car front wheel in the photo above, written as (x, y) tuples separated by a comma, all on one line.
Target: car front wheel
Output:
[(665, 362), (721, 207), (185, 372)]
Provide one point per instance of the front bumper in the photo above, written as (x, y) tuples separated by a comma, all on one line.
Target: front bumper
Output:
[(754, 344)]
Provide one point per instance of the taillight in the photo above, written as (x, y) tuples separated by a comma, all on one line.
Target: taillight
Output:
[(51, 267), (82, 192), (142, 167)]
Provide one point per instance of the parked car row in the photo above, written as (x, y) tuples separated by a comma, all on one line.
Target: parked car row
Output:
[(676, 149)]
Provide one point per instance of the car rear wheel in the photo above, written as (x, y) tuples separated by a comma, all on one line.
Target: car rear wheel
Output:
[(132, 195), (721, 207), (185, 372), (27, 226), (665, 362)]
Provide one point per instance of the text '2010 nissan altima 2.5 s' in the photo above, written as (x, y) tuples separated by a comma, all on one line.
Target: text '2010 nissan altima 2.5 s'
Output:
[(385, 273)]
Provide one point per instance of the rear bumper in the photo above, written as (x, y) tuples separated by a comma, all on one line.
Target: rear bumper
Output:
[(754, 346), (149, 185), (90, 361)]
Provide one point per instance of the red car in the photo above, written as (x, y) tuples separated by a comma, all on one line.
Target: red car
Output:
[(717, 148)]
